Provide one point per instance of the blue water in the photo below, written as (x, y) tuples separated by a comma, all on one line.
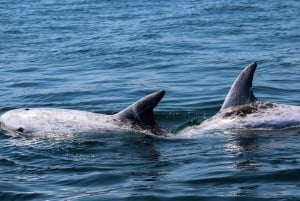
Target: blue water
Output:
[(101, 56)]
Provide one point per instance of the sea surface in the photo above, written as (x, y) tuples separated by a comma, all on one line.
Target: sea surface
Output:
[(101, 56)]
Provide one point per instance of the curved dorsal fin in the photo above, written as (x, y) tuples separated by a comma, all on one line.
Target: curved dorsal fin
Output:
[(240, 92), (141, 111)]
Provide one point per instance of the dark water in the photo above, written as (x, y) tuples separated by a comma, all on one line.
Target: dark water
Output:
[(101, 56)]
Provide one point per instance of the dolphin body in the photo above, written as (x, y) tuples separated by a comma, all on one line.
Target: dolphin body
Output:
[(137, 117), (241, 110)]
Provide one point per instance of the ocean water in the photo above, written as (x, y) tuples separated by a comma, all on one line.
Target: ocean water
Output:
[(101, 56)]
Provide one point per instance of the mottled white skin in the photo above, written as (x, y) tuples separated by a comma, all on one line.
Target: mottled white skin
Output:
[(60, 121), (257, 116), (50, 122), (241, 110)]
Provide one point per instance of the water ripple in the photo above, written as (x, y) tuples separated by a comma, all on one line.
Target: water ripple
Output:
[(101, 56)]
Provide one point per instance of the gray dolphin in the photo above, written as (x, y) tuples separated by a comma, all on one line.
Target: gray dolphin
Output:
[(242, 110), (138, 117)]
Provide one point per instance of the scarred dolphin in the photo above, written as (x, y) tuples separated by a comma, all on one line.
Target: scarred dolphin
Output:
[(137, 117), (242, 110)]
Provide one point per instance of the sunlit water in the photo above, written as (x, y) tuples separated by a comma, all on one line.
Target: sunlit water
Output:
[(101, 56)]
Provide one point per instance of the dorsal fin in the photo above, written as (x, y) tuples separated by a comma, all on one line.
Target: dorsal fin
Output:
[(141, 111), (240, 92)]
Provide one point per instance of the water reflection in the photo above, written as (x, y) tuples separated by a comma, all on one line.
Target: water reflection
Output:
[(248, 190), (142, 153), (245, 148)]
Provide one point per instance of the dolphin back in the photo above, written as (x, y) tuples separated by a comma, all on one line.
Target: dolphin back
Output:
[(141, 111), (241, 92)]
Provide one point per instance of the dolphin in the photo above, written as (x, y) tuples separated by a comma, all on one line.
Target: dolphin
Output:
[(137, 117), (242, 110)]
